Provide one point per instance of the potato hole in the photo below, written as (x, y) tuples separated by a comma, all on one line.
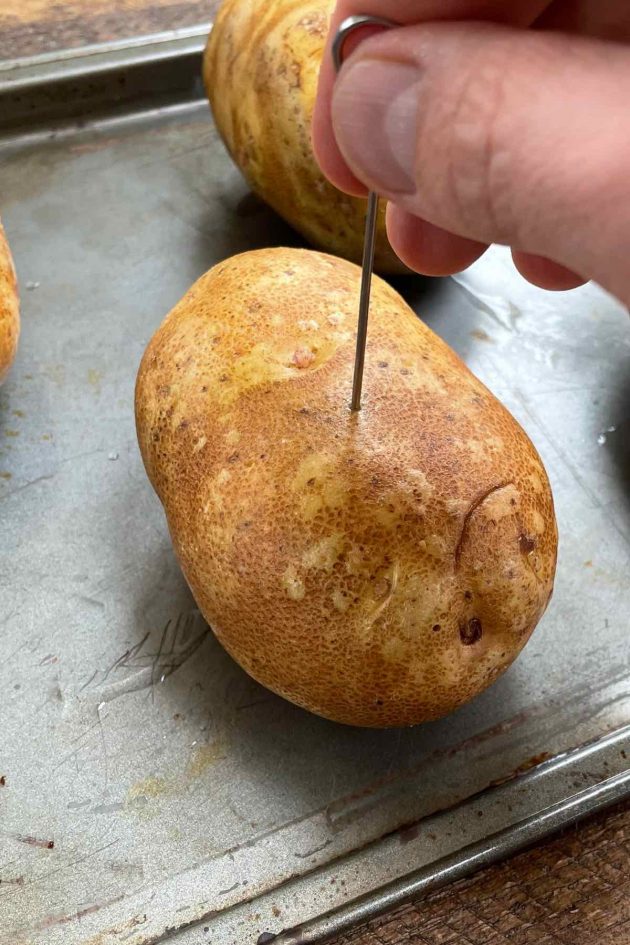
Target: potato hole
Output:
[(471, 632)]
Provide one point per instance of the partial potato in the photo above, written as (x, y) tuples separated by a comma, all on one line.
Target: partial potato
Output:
[(9, 308), (260, 70), (379, 568)]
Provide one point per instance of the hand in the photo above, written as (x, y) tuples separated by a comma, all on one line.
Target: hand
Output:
[(514, 130)]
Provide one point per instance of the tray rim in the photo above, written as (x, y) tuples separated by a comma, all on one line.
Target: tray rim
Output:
[(140, 48), (50, 95), (464, 862)]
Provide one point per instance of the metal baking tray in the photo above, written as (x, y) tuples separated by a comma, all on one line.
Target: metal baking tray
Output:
[(149, 790)]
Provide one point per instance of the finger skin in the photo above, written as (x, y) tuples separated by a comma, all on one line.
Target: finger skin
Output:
[(428, 249), (519, 137), (423, 246), (520, 13), (545, 273)]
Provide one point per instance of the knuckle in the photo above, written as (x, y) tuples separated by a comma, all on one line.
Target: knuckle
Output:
[(478, 157)]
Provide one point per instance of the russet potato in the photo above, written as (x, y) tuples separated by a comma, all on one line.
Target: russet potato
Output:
[(260, 70), (9, 308), (379, 568)]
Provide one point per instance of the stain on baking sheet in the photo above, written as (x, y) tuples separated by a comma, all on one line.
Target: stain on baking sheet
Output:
[(153, 788), (34, 841)]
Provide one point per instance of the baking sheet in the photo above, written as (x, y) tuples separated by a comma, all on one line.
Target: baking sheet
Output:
[(151, 789)]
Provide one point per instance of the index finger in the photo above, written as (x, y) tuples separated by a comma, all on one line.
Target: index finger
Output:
[(520, 13)]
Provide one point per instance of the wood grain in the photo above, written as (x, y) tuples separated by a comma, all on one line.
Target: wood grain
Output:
[(30, 27), (572, 890)]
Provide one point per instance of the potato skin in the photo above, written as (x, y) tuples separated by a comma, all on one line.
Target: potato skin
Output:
[(9, 308), (380, 568), (260, 70)]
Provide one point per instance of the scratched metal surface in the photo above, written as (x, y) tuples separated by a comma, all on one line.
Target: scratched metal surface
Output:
[(146, 782)]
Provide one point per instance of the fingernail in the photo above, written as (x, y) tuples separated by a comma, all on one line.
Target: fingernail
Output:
[(374, 112)]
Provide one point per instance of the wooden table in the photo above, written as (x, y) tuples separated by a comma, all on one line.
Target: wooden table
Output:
[(572, 890)]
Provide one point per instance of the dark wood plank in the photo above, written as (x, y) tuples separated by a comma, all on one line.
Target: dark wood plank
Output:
[(29, 27), (572, 890)]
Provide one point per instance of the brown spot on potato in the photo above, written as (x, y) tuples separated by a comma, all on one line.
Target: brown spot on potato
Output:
[(382, 588), (471, 632), (527, 544), (302, 358)]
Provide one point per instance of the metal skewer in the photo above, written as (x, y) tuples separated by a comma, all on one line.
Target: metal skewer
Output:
[(347, 27)]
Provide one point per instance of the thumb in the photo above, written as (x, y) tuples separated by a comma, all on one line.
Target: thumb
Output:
[(497, 135)]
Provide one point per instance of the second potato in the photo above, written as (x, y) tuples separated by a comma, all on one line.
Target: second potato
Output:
[(260, 71)]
